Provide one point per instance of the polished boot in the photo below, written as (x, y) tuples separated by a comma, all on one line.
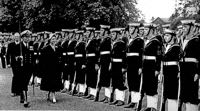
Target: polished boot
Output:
[(26, 105), (120, 103), (114, 102), (87, 97), (91, 97), (97, 95), (104, 99), (130, 105)]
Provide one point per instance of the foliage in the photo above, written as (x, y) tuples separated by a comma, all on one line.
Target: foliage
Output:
[(53, 15)]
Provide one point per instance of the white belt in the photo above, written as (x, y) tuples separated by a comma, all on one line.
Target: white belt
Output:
[(35, 53), (105, 52), (79, 55), (64, 54), (149, 57), (91, 55), (70, 53), (170, 63), (117, 60), (39, 53), (191, 60), (132, 54)]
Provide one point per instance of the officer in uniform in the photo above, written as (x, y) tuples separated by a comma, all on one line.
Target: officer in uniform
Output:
[(105, 58), (134, 64), (189, 74), (171, 57), (118, 67), (27, 65), (151, 67), (68, 34), (92, 66)]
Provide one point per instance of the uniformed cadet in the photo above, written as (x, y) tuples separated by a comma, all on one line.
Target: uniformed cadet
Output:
[(71, 60), (68, 34), (151, 67), (171, 69), (92, 66), (134, 65), (118, 68), (74, 90), (80, 59), (189, 74), (105, 59)]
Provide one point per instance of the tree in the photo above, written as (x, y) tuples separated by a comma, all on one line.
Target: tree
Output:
[(186, 9), (52, 15)]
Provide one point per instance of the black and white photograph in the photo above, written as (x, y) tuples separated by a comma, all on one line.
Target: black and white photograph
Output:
[(100, 55)]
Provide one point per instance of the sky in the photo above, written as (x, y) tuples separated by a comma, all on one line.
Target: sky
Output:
[(156, 8)]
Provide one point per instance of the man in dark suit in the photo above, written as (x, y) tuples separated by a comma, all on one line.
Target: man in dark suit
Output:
[(12, 53), (3, 54)]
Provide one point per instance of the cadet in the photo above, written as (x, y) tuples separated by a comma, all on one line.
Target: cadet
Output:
[(92, 67), (118, 67), (171, 69), (189, 74), (134, 64), (105, 59), (151, 66)]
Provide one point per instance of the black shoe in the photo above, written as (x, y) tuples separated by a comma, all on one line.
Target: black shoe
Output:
[(14, 94), (113, 103), (104, 99), (91, 98), (107, 100), (96, 99), (26, 105), (21, 101), (64, 91), (120, 103), (87, 97), (131, 105)]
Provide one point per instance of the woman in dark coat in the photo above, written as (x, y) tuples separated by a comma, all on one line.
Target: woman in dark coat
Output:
[(51, 78)]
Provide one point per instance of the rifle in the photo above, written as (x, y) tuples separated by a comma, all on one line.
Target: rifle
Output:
[(162, 83)]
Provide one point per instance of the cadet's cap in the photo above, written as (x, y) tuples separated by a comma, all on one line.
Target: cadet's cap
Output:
[(115, 30), (180, 27), (79, 31), (34, 34), (134, 24), (26, 32), (105, 26), (46, 32), (168, 31), (188, 22), (166, 26), (68, 30), (141, 28), (97, 31), (90, 28)]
